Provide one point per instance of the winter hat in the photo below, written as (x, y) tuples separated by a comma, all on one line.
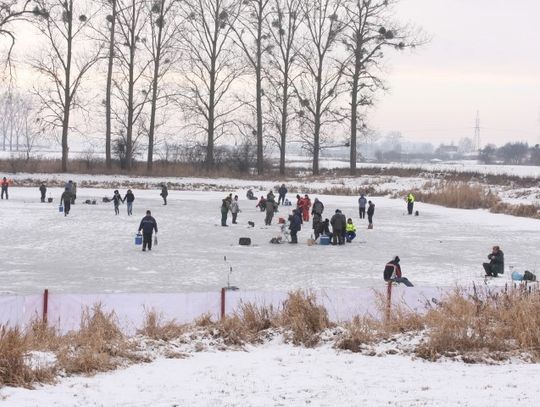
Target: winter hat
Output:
[(338, 211), (396, 259)]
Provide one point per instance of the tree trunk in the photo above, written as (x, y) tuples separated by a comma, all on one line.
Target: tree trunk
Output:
[(131, 86), (108, 108), (67, 90), (354, 121), (284, 115), (153, 107), (258, 68)]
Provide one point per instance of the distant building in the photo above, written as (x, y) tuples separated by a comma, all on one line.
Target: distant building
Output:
[(447, 152)]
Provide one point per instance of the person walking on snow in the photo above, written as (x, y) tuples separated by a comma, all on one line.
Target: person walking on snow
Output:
[(164, 193), (66, 200), (362, 201), (43, 190), (350, 231), (225, 208), (117, 199), (235, 208), (370, 213), (147, 226), (410, 203), (282, 191), (129, 198), (318, 207), (5, 186)]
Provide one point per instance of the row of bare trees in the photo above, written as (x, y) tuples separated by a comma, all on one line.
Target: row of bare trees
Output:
[(271, 71)]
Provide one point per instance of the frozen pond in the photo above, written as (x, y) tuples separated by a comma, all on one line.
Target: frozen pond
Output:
[(92, 250)]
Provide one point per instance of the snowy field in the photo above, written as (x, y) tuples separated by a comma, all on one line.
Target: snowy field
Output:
[(281, 375), (92, 251)]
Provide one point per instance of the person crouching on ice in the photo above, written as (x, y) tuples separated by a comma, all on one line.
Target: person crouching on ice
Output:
[(392, 272), (350, 231), (496, 262)]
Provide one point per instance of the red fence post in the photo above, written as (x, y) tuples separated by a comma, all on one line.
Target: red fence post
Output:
[(222, 303), (388, 300), (45, 305)]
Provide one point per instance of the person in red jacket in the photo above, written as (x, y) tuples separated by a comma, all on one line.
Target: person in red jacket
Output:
[(305, 208), (5, 185)]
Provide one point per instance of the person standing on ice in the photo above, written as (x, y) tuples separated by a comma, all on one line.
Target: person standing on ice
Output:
[(5, 186), (116, 201), (305, 208), (66, 200), (295, 225), (147, 226), (271, 207), (129, 198), (164, 193), (362, 202), (410, 203), (370, 213), (496, 262), (338, 222), (43, 191), (235, 208), (225, 208), (282, 191)]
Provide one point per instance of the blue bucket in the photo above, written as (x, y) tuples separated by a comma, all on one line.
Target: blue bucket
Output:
[(324, 240), (60, 209), (517, 276), (138, 239)]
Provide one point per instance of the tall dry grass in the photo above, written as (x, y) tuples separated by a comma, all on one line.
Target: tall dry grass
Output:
[(522, 210), (156, 328), (15, 369), (458, 195), (303, 318), (483, 321), (98, 345)]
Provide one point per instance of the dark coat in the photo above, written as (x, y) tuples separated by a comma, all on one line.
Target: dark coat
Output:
[(392, 270), (116, 199), (371, 209), (296, 222), (282, 190), (164, 192), (148, 224), (66, 196), (318, 208), (338, 222), (496, 260), (129, 197)]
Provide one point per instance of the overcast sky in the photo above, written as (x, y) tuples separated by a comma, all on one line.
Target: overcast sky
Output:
[(483, 55)]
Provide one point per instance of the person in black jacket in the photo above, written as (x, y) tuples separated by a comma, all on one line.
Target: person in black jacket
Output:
[(164, 193), (496, 262), (43, 190), (295, 225), (392, 272), (338, 222), (370, 212), (129, 198), (147, 226), (117, 199), (282, 192)]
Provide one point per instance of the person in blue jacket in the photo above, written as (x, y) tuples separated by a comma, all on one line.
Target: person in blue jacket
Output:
[(295, 225), (147, 226)]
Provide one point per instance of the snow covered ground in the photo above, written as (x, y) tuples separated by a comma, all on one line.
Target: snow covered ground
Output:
[(281, 375), (92, 250)]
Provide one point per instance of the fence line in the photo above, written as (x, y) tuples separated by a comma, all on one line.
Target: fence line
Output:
[(64, 311)]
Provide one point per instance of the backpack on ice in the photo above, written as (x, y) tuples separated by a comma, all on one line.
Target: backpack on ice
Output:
[(244, 241), (528, 276)]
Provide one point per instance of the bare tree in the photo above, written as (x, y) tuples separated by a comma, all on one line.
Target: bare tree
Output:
[(132, 85), (164, 52), (321, 83), (64, 63), (20, 125), (211, 68), (370, 28), (251, 37), (283, 23), (111, 40), (12, 11)]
